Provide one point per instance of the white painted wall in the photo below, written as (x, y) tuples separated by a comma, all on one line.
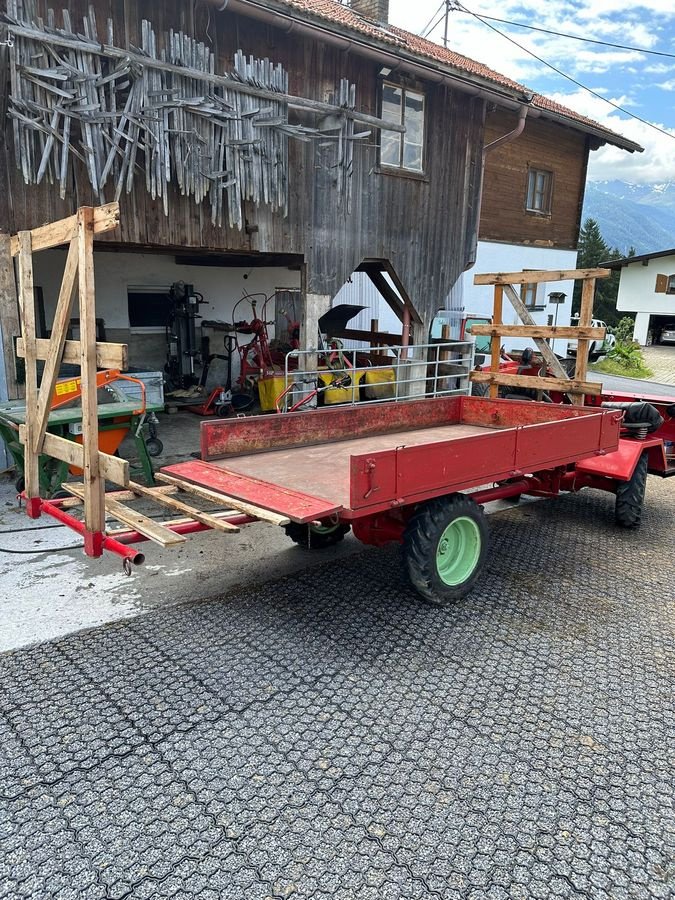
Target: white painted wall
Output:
[(494, 257), (115, 273), (637, 294)]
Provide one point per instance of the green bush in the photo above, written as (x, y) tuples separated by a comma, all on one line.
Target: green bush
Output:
[(623, 332)]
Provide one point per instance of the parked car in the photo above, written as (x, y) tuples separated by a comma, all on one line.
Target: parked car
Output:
[(595, 348), (667, 335)]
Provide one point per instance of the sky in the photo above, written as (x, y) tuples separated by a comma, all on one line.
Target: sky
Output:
[(641, 83)]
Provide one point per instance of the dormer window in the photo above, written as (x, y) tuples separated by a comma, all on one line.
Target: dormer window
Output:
[(405, 107)]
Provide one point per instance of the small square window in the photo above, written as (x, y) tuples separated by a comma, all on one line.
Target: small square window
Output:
[(528, 294), (405, 107), (149, 308), (539, 191), (670, 289)]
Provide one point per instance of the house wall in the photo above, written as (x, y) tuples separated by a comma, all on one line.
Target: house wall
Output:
[(542, 145), (424, 226), (500, 257), (115, 273), (637, 295)]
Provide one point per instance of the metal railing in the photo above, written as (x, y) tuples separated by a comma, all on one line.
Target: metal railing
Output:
[(438, 369)]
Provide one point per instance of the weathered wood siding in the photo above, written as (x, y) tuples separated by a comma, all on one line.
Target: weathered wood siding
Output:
[(542, 145), (423, 226)]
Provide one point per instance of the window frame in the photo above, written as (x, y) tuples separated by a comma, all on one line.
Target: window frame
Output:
[(146, 289), (534, 170), (670, 285), (401, 169), (538, 292)]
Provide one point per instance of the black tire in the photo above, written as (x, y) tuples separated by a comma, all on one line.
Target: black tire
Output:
[(20, 484), (630, 496), (61, 495), (423, 538), (314, 537), (154, 446)]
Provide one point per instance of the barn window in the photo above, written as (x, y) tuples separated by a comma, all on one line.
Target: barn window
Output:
[(149, 308), (539, 190), (406, 107)]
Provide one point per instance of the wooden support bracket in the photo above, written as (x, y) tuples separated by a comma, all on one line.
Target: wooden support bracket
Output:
[(265, 515), (539, 331), (108, 356), (106, 218), (112, 467), (568, 385)]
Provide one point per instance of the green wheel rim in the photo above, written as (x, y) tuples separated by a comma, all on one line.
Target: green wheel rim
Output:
[(324, 529), (458, 551)]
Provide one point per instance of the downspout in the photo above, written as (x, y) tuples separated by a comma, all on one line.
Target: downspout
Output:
[(488, 148)]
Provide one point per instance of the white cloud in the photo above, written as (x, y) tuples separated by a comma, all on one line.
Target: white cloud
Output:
[(667, 85)]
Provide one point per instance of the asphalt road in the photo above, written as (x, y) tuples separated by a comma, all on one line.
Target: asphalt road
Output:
[(327, 735), (637, 385)]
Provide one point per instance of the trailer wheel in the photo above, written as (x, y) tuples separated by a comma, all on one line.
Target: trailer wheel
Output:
[(444, 547), (316, 537), (154, 446), (630, 496)]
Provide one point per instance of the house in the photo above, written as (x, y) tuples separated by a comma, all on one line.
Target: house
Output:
[(276, 148), (647, 291)]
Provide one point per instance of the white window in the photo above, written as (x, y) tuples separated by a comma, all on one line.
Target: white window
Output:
[(406, 107), (539, 190)]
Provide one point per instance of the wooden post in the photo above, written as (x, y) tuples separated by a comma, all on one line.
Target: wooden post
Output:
[(10, 327), (496, 342), (94, 485), (27, 308), (585, 319)]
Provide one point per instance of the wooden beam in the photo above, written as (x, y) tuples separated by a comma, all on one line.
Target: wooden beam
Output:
[(106, 218), (585, 319), (377, 337), (112, 468), (10, 325), (145, 526), (94, 486), (60, 325), (196, 514), (224, 500), (539, 331), (567, 385), (495, 343), (535, 277), (108, 356), (27, 313), (122, 496)]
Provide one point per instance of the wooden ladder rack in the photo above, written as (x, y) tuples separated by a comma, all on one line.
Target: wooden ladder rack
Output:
[(583, 333)]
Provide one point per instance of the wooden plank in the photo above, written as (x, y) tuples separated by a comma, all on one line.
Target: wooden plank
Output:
[(56, 343), (585, 319), (94, 486), (10, 326), (27, 313), (567, 385), (196, 514), (122, 496), (106, 218), (540, 331), (112, 468), (108, 355), (537, 276), (495, 343), (250, 509), (145, 526)]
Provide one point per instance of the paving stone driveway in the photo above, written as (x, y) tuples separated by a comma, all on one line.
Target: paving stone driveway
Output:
[(661, 360), (328, 736)]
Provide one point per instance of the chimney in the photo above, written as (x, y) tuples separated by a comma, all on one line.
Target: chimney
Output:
[(377, 10)]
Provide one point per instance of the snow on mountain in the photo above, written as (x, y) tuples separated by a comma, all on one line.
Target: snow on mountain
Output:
[(633, 215)]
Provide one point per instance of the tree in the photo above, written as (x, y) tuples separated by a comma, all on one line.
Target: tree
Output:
[(593, 250)]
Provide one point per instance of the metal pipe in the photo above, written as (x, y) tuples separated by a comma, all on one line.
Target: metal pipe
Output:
[(501, 492), (56, 512), (405, 333), (129, 537)]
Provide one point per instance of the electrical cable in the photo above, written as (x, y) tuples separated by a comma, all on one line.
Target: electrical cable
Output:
[(572, 37), (423, 32), (461, 8)]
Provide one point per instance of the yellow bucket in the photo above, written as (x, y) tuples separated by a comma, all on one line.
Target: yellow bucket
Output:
[(349, 394), (380, 384)]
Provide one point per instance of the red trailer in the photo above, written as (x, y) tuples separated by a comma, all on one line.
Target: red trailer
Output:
[(414, 472)]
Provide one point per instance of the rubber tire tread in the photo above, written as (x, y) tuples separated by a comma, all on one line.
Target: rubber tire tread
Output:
[(630, 496), (420, 541), (303, 536)]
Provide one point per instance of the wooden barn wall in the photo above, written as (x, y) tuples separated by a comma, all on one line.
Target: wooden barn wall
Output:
[(542, 145), (423, 226)]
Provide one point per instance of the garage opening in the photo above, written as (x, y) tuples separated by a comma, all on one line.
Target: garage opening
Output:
[(662, 330)]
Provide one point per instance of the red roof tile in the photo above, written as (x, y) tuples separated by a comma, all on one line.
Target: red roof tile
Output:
[(337, 14)]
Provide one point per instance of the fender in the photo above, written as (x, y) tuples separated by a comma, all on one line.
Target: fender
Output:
[(621, 464)]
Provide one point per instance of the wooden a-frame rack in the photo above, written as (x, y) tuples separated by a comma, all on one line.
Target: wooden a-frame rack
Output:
[(583, 333)]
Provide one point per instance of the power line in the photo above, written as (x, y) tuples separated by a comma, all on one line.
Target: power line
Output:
[(584, 87), (572, 37), (425, 31)]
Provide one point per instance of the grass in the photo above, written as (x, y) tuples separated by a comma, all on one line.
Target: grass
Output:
[(612, 367)]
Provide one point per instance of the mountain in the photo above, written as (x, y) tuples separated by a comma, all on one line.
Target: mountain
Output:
[(633, 215)]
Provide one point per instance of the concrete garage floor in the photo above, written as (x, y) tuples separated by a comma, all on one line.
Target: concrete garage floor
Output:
[(326, 735)]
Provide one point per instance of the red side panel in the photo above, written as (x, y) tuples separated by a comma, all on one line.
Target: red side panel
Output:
[(620, 465), (297, 506)]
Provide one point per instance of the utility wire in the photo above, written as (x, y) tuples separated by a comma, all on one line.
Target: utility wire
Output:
[(426, 30), (459, 8), (572, 37)]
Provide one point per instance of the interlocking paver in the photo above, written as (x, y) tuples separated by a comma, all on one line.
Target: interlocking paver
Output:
[(329, 736)]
